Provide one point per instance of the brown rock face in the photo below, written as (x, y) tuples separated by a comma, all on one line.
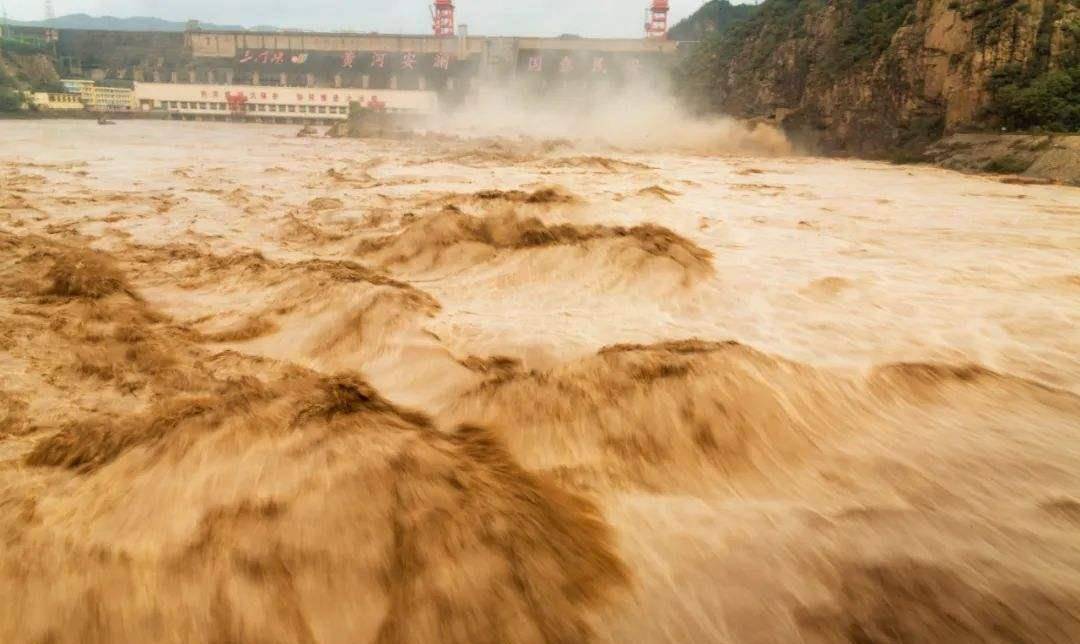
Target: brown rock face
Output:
[(877, 77)]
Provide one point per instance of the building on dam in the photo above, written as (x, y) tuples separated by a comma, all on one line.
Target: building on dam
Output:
[(293, 76)]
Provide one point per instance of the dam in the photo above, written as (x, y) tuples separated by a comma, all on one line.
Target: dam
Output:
[(303, 76)]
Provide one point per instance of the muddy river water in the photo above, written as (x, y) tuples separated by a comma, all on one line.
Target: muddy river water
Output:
[(266, 388)]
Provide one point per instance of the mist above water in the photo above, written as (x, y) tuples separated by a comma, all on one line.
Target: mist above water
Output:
[(639, 118)]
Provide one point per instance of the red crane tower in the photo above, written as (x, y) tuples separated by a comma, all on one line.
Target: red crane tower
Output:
[(442, 18), (656, 19)]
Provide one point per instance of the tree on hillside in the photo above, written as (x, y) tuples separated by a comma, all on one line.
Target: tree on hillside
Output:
[(713, 17), (1049, 101), (10, 100)]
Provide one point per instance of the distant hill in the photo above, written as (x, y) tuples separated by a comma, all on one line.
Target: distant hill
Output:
[(138, 23), (713, 17)]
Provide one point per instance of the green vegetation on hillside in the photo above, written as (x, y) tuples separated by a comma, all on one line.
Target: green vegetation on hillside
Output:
[(9, 96), (23, 46), (864, 30), (1042, 94), (989, 17), (1047, 101), (714, 17), (10, 101), (774, 22), (704, 70), (791, 52), (20, 73), (867, 32)]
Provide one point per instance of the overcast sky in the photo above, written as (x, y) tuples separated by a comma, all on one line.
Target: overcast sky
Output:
[(611, 18)]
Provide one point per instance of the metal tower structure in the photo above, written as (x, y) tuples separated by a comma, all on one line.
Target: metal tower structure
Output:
[(442, 18), (50, 13), (656, 19)]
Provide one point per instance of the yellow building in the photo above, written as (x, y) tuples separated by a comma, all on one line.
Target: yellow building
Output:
[(108, 99), (274, 104), (76, 85), (98, 98), (57, 101)]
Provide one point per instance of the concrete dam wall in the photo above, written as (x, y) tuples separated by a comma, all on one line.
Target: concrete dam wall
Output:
[(450, 65)]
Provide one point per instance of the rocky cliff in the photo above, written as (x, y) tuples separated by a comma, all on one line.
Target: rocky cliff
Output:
[(886, 77), (28, 72), (22, 72), (1028, 158)]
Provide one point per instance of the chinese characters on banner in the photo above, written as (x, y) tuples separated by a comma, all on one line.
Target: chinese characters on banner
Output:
[(348, 60), (264, 57), (267, 57), (597, 64), (408, 60)]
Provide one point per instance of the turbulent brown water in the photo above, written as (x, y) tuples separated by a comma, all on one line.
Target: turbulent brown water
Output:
[(258, 388)]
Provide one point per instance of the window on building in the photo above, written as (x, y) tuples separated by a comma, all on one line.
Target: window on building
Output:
[(202, 106), (303, 109), (322, 109), (292, 108), (183, 105)]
